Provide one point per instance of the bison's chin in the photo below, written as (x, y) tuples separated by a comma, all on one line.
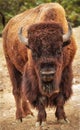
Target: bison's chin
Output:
[(49, 88)]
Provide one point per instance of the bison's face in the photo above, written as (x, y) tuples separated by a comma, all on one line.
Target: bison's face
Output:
[(46, 44), (48, 60)]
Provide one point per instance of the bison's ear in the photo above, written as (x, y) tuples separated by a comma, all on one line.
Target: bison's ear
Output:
[(66, 43)]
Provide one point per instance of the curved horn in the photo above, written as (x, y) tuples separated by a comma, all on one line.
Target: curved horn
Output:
[(67, 36), (22, 38)]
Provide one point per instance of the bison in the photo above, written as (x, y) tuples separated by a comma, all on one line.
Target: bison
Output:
[(39, 49)]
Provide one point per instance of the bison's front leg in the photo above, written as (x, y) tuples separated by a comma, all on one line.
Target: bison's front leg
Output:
[(41, 119), (60, 114), (16, 78), (66, 92)]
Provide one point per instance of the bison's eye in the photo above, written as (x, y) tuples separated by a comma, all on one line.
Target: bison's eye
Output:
[(58, 52), (35, 56)]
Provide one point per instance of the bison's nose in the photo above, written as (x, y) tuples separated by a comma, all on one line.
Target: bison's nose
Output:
[(47, 72)]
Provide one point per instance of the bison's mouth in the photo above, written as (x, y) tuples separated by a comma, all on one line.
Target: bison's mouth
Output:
[(49, 88)]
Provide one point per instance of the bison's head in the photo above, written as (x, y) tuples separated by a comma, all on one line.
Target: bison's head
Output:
[(46, 41)]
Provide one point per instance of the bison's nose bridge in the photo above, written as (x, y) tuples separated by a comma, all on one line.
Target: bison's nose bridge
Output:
[(47, 65)]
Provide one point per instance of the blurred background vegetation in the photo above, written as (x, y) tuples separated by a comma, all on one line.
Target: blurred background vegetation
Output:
[(10, 8)]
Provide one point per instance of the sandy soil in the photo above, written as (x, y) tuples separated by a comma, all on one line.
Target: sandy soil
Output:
[(7, 104)]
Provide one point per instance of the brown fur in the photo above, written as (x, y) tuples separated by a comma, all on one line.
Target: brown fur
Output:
[(48, 24)]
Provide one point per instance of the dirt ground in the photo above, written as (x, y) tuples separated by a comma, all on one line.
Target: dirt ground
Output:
[(7, 104)]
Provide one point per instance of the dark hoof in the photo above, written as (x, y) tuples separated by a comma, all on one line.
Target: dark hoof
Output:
[(42, 124), (63, 121), (21, 120)]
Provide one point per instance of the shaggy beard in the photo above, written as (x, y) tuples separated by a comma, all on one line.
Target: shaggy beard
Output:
[(49, 88)]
